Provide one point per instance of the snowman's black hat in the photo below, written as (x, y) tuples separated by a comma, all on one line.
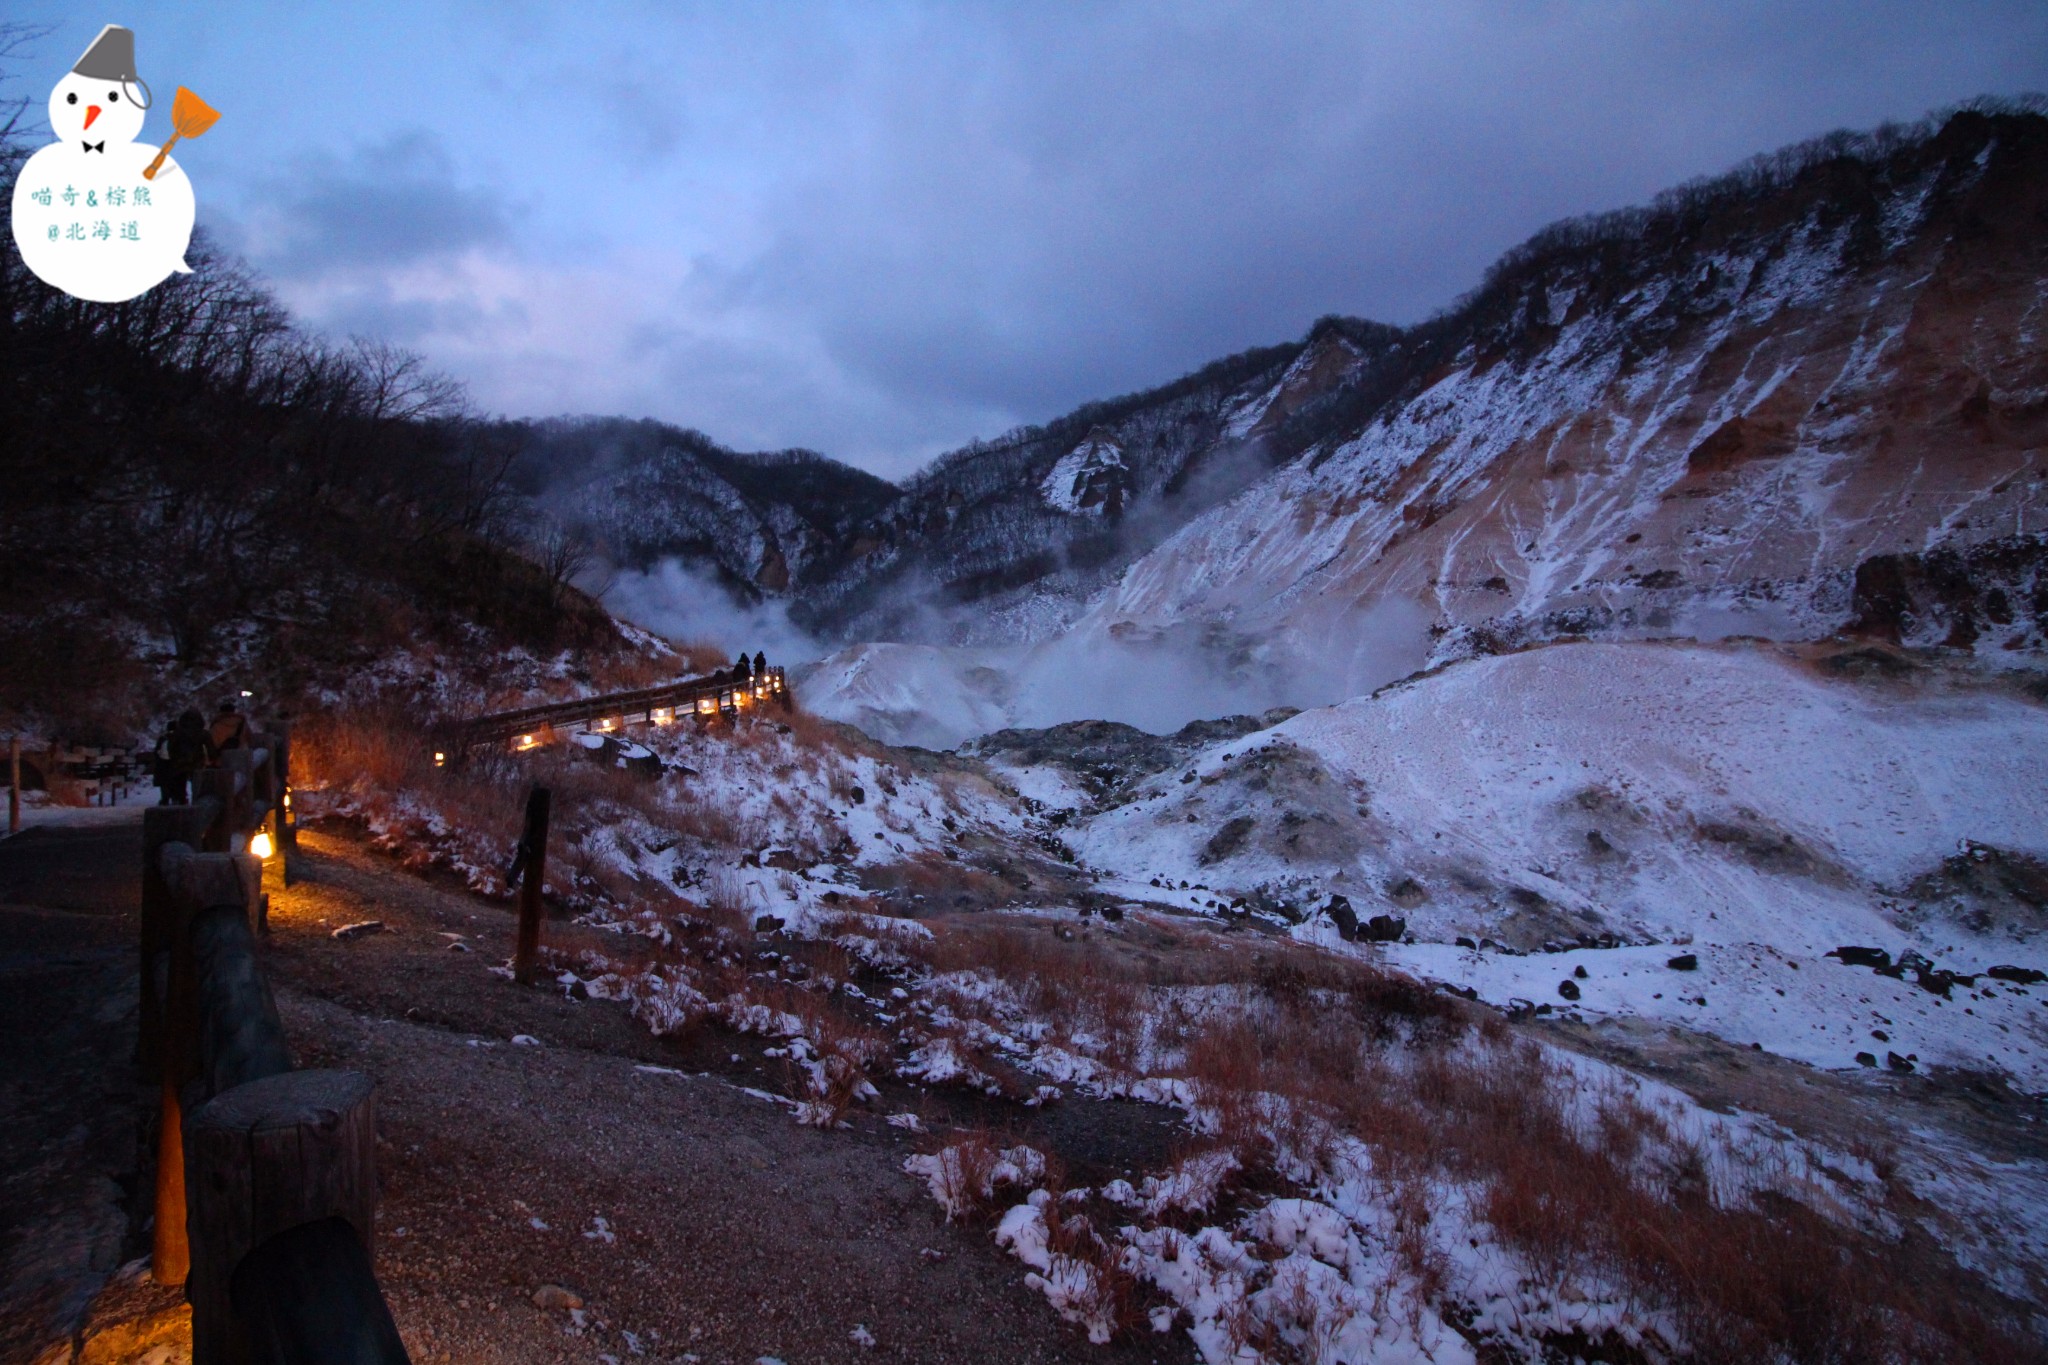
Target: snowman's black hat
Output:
[(112, 58)]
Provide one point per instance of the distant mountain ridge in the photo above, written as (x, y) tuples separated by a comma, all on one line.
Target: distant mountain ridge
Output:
[(1807, 394), (644, 491), (1698, 417)]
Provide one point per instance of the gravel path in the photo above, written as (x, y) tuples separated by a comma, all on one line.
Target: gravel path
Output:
[(728, 1233)]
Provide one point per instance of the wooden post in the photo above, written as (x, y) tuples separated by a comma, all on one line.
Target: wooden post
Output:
[(240, 764), (286, 820), (265, 1158), (217, 785), (237, 1035), (14, 785), (170, 1255), (161, 826), (309, 1296), (532, 861), (174, 879)]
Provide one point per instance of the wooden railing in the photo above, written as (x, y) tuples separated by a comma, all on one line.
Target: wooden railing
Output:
[(266, 1176), (99, 776), (717, 697)]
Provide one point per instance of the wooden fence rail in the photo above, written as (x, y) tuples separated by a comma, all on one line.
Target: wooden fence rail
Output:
[(266, 1176), (719, 696)]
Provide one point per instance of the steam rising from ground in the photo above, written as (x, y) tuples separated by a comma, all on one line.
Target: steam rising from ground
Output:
[(939, 696), (1160, 681), (674, 600)]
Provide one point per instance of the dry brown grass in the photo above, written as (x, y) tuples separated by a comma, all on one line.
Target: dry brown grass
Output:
[(1440, 1091)]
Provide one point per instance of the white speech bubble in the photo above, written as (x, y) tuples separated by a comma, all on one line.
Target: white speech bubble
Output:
[(89, 224)]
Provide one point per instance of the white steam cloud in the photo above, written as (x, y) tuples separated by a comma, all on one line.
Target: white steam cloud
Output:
[(673, 600)]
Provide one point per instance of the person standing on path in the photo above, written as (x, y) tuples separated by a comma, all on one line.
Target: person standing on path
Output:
[(230, 730), (186, 748)]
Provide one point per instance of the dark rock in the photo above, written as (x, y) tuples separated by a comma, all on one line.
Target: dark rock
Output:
[(1880, 1035), (1579, 972), (1684, 962), (1385, 929), (1935, 981), (1112, 913), (1866, 1059), (1568, 988), (858, 796), (1912, 961), (768, 924), (2024, 976), (1343, 916), (1545, 1009), (1862, 957), (1897, 1063), (1227, 840), (1464, 942), (784, 858), (1521, 1009)]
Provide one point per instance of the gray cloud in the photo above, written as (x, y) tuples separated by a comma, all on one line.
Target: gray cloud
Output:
[(394, 202), (1078, 201), (879, 229)]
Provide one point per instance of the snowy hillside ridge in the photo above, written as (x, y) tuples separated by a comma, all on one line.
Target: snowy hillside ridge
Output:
[(646, 491), (1710, 374), (1700, 446), (1748, 805)]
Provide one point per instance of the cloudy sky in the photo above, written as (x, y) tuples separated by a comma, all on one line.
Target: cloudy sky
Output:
[(880, 229)]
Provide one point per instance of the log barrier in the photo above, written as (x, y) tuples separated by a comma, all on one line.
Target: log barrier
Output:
[(266, 1176)]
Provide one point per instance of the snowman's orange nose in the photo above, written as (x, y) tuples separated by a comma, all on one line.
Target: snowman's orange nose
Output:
[(92, 111)]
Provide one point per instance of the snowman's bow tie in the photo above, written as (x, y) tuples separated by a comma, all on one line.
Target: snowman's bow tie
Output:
[(99, 146)]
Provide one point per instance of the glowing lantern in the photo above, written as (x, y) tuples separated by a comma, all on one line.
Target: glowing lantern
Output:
[(440, 758), (262, 845), (661, 715), (525, 742), (707, 706)]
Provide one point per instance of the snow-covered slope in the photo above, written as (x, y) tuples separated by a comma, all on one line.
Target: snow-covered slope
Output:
[(1745, 803), (1706, 440), (1809, 396)]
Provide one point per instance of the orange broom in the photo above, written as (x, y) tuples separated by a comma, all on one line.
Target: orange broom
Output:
[(190, 116)]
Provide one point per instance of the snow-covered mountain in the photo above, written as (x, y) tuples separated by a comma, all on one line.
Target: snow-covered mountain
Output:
[(1809, 395), (644, 492)]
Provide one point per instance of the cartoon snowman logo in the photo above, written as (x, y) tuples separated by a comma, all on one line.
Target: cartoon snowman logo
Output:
[(96, 213)]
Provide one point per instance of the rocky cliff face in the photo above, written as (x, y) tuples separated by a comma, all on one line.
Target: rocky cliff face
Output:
[(1699, 420)]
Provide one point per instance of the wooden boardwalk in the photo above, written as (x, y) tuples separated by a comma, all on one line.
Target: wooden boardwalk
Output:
[(705, 700)]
